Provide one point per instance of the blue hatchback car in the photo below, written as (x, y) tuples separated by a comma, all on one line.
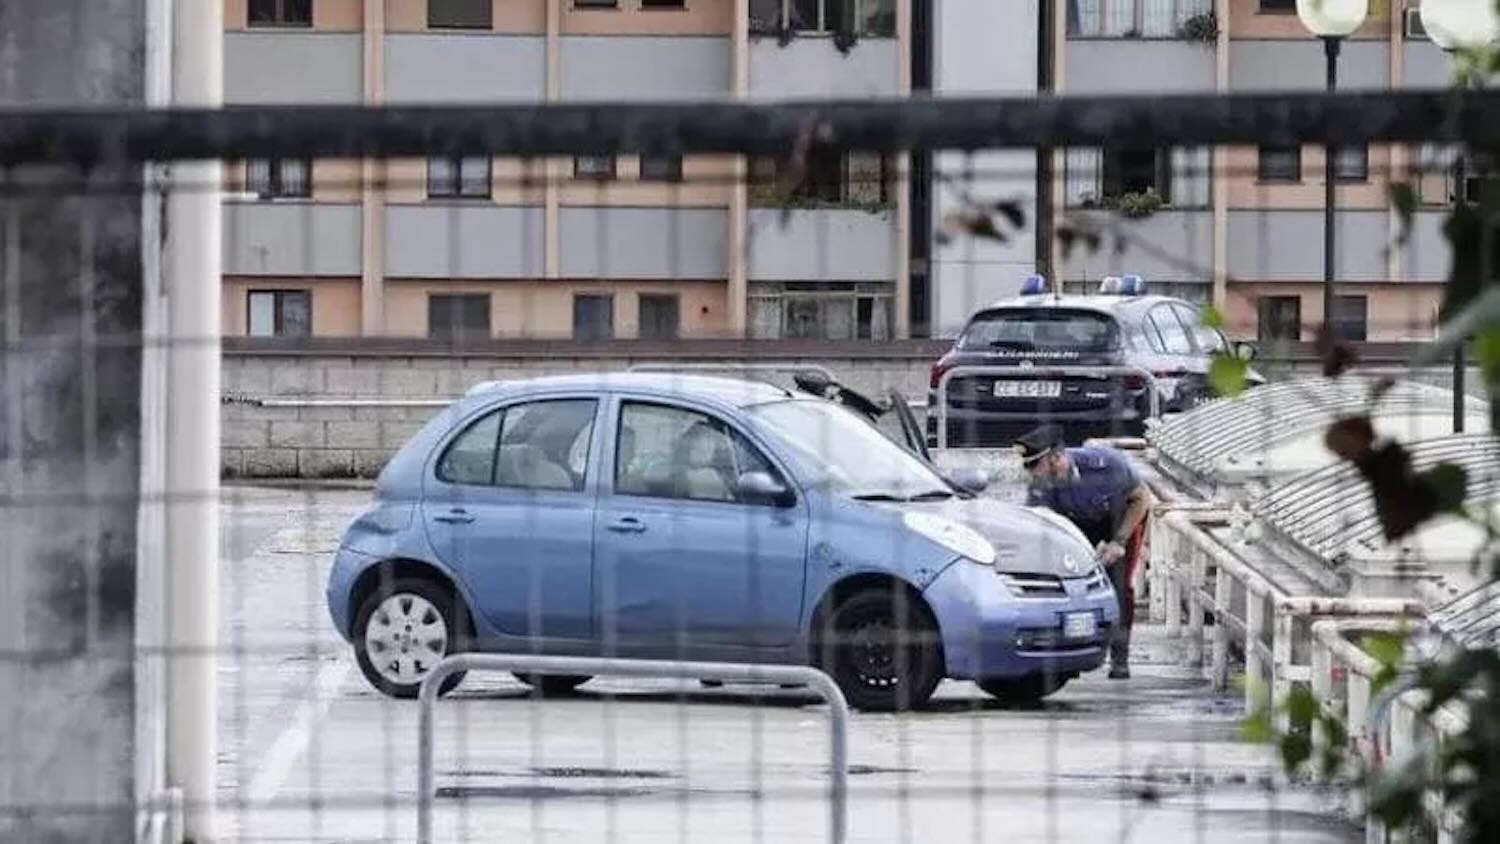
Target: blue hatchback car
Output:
[(665, 516)]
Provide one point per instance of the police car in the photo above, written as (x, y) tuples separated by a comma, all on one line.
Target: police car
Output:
[(1086, 362)]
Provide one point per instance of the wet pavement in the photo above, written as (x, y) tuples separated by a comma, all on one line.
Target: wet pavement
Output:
[(311, 753)]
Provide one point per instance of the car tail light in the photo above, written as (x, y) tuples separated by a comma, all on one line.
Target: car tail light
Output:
[(1133, 382), (943, 365)]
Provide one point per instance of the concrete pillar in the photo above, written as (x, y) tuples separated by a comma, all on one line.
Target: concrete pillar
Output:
[(70, 441)]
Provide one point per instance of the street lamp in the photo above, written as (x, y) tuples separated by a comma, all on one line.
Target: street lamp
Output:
[(1332, 21), (1456, 25)]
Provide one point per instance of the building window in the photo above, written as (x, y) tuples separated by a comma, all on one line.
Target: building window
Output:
[(819, 310), (279, 13), (1101, 178), (458, 317), (663, 4), (1279, 164), (1132, 18), (279, 178), (828, 177), (1278, 7), (1351, 163), (1350, 318), (659, 316), (1280, 319), (661, 168), (595, 4), (468, 178), (600, 167), (593, 316), (459, 14), (278, 313), (868, 18)]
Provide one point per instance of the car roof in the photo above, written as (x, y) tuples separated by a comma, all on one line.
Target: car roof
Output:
[(1093, 302), (734, 392)]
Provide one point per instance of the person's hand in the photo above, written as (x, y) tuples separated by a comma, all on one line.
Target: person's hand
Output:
[(1109, 553)]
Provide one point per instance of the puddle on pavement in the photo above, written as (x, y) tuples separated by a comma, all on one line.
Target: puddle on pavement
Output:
[(553, 772)]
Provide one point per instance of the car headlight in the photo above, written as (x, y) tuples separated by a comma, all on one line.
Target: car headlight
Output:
[(953, 536)]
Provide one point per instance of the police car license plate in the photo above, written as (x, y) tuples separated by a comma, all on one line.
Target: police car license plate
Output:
[(1028, 389), (1079, 625)]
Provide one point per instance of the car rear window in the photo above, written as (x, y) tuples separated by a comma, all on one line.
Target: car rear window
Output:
[(1042, 329)]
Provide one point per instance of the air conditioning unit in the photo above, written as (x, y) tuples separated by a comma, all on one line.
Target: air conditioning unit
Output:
[(1412, 25)]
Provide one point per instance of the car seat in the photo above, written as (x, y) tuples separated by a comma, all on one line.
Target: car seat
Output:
[(526, 465), (703, 456)]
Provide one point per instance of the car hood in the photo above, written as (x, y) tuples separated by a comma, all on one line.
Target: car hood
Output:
[(1030, 540)]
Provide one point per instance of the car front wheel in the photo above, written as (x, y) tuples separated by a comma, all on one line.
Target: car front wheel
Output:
[(882, 649), (403, 629)]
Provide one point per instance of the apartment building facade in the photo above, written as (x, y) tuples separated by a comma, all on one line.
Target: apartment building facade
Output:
[(617, 247), (1243, 227)]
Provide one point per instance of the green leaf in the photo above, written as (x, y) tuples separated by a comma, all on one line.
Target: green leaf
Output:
[(1396, 795), (1211, 318), (1257, 728), (1386, 648), (1227, 375), (1301, 707), (1404, 200), (1450, 483), (1296, 749)]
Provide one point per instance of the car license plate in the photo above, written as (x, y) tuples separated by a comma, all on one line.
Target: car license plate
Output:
[(1079, 625), (1028, 389)]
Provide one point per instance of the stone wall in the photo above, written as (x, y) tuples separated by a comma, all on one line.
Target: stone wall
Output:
[(342, 413)]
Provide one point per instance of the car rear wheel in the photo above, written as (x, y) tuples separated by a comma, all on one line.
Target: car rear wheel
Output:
[(553, 685), (1028, 689), (403, 629), (882, 649)]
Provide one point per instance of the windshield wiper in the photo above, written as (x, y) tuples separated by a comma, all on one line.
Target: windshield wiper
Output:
[(931, 495)]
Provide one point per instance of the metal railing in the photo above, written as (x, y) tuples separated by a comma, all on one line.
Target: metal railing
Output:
[(800, 675), (1213, 581), (940, 397)]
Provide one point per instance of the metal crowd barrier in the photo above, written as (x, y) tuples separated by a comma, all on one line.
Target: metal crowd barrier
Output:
[(1385, 726), (800, 675), (940, 398), (1194, 573)]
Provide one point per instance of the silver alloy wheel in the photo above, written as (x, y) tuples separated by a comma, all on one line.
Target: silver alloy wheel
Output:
[(405, 637)]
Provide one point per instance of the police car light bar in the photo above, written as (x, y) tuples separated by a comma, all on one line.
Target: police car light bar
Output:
[(1034, 285), (1128, 285)]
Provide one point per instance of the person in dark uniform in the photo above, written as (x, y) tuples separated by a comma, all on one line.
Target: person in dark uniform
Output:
[(1098, 490)]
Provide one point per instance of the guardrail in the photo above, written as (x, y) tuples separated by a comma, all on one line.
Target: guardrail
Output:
[(1383, 725), (940, 397), (801, 675), (1192, 570)]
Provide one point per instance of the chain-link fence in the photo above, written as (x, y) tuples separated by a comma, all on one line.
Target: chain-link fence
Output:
[(657, 399)]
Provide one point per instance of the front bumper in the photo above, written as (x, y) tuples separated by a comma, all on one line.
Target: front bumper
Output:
[(988, 632)]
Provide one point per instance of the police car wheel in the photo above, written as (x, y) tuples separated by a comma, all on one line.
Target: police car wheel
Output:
[(882, 649)]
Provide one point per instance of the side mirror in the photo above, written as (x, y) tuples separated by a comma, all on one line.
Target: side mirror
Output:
[(762, 488), (1244, 350), (968, 479)]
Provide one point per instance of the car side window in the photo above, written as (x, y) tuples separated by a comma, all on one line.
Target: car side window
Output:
[(470, 459), (545, 444), (1174, 337), (1143, 336), (1209, 340), (672, 452)]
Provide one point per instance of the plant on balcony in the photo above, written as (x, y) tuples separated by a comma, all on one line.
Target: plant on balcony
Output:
[(1138, 204), (1201, 28)]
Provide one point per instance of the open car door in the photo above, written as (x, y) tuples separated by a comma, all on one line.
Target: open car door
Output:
[(916, 440)]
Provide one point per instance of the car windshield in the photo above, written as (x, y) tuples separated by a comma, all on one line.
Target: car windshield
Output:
[(1042, 329), (837, 450)]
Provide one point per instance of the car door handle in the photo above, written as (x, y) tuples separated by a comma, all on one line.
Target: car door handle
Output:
[(627, 525), (456, 516)]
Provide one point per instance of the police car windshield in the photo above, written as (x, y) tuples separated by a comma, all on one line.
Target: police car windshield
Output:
[(1041, 329)]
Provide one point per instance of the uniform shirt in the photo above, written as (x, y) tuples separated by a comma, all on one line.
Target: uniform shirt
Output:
[(1093, 496)]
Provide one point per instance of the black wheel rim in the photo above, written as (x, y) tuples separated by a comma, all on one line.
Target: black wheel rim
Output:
[(872, 652)]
